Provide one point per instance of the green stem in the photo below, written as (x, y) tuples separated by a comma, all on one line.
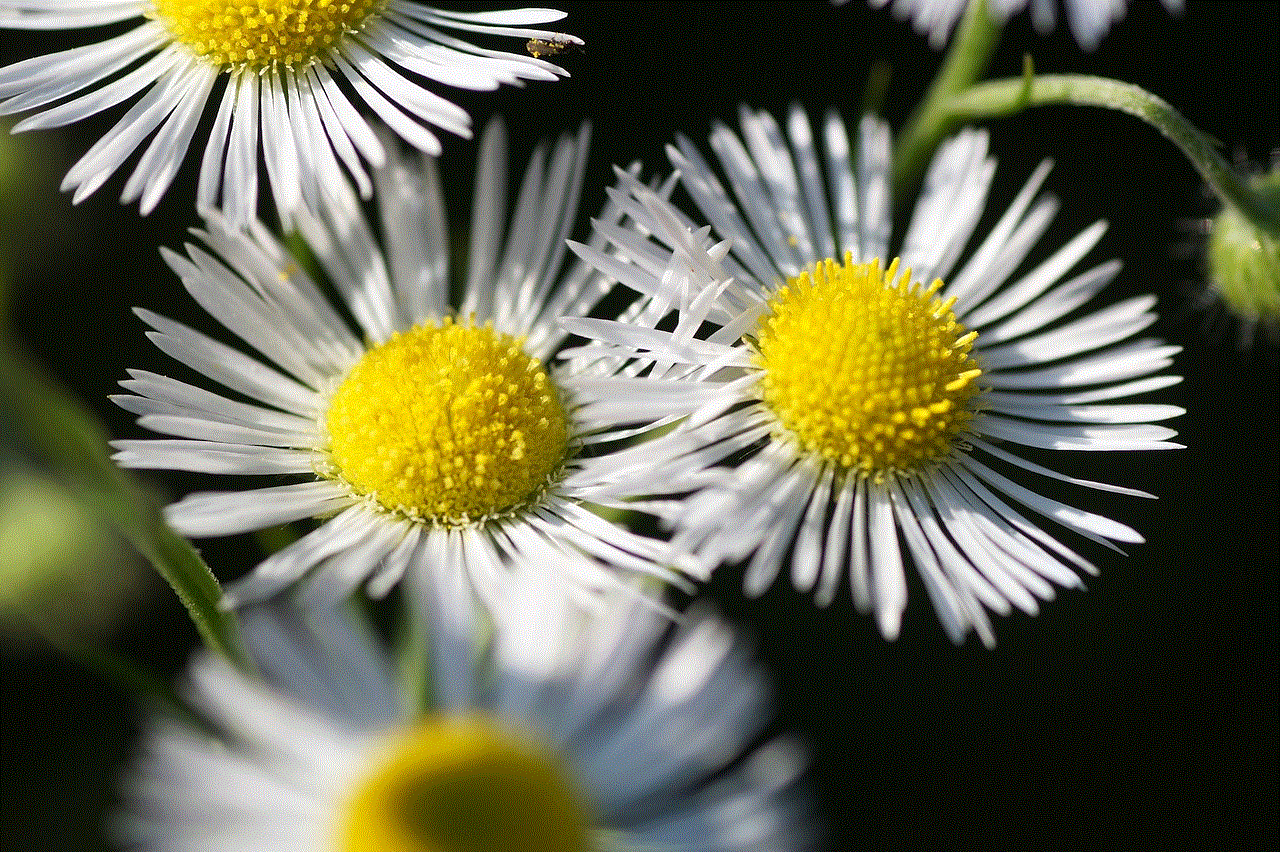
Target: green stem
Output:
[(55, 424), (1005, 97), (413, 654), (967, 60)]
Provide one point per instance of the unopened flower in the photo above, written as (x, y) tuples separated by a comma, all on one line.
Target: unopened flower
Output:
[(1244, 261)]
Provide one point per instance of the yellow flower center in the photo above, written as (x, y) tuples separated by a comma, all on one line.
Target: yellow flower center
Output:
[(464, 785), (263, 33), (451, 424), (866, 372)]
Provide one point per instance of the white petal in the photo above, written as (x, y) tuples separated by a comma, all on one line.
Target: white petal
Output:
[(230, 512)]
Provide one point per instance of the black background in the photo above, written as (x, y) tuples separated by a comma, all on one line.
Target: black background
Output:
[(1139, 713)]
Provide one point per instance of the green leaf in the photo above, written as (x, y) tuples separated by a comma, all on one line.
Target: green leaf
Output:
[(56, 425)]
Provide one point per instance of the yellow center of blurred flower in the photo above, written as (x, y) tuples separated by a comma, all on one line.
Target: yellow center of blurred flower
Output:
[(464, 785), (866, 372), (450, 424), (263, 33)]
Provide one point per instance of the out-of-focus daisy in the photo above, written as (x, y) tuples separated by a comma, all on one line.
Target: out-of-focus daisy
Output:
[(862, 402), (1088, 20), (437, 435), (548, 733), (287, 74)]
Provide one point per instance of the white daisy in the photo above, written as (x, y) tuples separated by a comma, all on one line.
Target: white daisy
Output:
[(290, 74), (1088, 20), (864, 407), (437, 434), (549, 733)]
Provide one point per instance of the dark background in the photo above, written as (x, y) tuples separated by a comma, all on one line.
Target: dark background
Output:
[(1139, 713)]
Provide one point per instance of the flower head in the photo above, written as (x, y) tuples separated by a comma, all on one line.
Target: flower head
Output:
[(287, 71), (839, 403), (1088, 20), (441, 432), (548, 731)]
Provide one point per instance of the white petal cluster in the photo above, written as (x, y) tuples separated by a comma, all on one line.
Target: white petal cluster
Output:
[(656, 725), (1051, 375), (1088, 20), (521, 279), (305, 123)]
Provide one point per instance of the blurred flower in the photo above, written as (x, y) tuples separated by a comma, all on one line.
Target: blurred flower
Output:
[(439, 434), (288, 70), (1244, 262), (545, 731), (1088, 20), (859, 401), (63, 573)]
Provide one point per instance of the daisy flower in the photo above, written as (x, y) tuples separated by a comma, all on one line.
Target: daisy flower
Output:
[(287, 74), (865, 399), (1088, 20), (546, 733), (436, 434)]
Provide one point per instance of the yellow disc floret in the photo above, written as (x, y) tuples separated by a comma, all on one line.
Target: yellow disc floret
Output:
[(464, 785), (866, 369), (450, 424), (261, 34)]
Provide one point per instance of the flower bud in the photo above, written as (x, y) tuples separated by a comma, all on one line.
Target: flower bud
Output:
[(63, 574), (1244, 260)]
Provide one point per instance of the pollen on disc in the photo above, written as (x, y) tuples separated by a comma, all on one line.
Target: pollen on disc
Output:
[(866, 369), (448, 423), (264, 33)]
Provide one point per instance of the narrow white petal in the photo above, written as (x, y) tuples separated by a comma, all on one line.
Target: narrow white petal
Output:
[(888, 583), (786, 507), (338, 577), (169, 396), (340, 136), (240, 177), (806, 562), (211, 164), (1102, 328), (957, 568), (231, 512), (1035, 283), (1004, 519), (279, 151), (227, 366), (947, 603), (345, 530), (1005, 246), (203, 429), (1065, 436), (1053, 474), (1124, 362), (42, 80), (155, 69), (415, 238), (1133, 413), (211, 457), (838, 556), (806, 161), (1094, 527), (408, 129)]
